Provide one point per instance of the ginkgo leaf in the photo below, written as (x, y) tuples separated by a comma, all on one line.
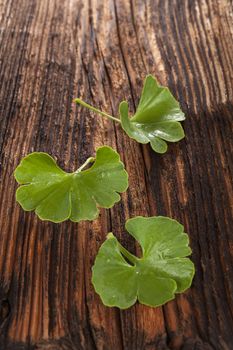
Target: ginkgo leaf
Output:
[(121, 278), (157, 118), (57, 196)]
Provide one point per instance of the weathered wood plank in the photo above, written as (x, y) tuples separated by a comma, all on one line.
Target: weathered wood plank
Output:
[(52, 51)]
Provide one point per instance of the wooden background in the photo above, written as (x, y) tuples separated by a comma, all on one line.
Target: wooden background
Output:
[(54, 50)]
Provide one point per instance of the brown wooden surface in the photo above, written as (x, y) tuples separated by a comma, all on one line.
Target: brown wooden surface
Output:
[(54, 50)]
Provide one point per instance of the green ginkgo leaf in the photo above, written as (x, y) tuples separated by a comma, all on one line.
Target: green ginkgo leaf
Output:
[(57, 196), (121, 278), (157, 118)]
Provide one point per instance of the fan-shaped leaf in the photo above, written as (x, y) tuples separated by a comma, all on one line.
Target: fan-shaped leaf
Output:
[(120, 278), (57, 196), (156, 119)]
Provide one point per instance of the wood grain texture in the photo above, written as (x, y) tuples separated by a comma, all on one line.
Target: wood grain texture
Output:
[(54, 50)]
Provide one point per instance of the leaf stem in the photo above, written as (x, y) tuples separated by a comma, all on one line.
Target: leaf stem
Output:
[(132, 259), (78, 100), (89, 160)]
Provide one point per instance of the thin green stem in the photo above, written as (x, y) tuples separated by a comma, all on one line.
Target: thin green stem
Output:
[(89, 160), (133, 259), (130, 257), (78, 100)]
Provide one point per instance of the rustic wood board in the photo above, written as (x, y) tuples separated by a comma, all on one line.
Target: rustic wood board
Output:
[(54, 50)]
